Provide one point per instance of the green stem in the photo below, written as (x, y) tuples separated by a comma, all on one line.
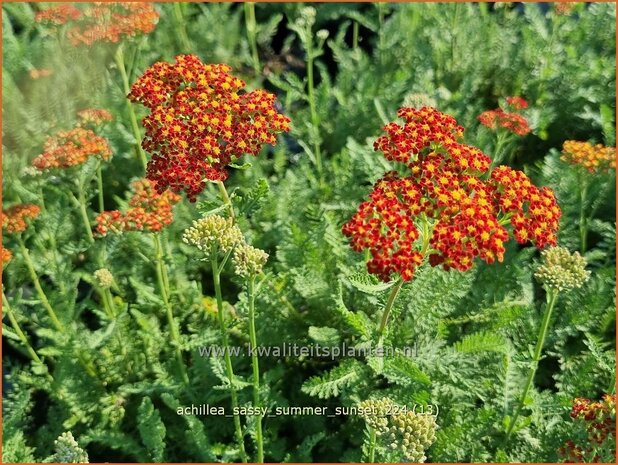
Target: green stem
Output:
[(256, 368), (226, 199), (372, 446), (185, 43), (551, 301), (119, 59), (381, 32), (216, 276), (583, 220), (251, 25), (100, 188), (163, 288), (80, 203), (355, 29), (9, 311), (37, 285), (315, 121), (387, 310)]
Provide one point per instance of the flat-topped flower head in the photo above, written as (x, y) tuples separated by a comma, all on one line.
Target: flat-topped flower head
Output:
[(561, 270), (449, 206), (248, 260), (213, 230), (58, 15), (200, 120), (594, 158), (14, 219), (148, 211), (509, 119), (71, 148)]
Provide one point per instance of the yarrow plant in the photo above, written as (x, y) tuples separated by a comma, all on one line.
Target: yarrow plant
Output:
[(449, 208), (200, 121), (148, 211), (598, 419), (559, 271), (14, 219), (594, 158)]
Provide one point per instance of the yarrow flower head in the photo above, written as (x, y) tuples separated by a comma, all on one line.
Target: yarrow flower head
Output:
[(68, 450), (595, 158), (402, 430), (14, 218), (7, 256), (40, 73), (94, 117), (213, 230), (449, 207), (104, 278), (200, 121), (508, 119), (561, 270), (148, 211), (249, 261), (58, 14), (102, 22), (71, 148), (599, 421)]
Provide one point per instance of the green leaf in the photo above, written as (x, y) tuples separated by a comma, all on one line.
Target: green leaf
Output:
[(331, 384), (369, 284), (151, 429)]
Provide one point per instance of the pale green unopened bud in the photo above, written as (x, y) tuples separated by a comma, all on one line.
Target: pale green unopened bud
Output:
[(68, 450), (376, 413), (561, 270), (322, 34), (213, 230), (249, 261), (104, 278)]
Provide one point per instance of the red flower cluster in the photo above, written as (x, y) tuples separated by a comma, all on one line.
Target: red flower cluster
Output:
[(94, 116), (71, 148), (14, 219), (148, 211), (517, 103), (102, 22), (460, 208), (509, 120), (58, 14), (599, 420), (200, 121)]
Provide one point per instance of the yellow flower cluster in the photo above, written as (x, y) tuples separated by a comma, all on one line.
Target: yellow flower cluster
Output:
[(594, 158)]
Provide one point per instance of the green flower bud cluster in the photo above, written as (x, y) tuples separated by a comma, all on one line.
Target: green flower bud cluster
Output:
[(213, 230), (248, 261), (104, 278), (68, 450), (403, 431), (412, 433), (378, 418), (561, 270)]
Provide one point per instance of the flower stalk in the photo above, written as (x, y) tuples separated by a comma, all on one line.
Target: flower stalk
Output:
[(9, 311), (251, 25), (256, 367)]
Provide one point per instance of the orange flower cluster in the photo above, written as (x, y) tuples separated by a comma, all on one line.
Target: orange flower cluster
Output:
[(201, 120), (599, 419), (450, 202), (509, 120), (14, 219), (40, 73), (6, 255), (94, 116), (148, 211), (58, 14), (102, 22), (71, 148), (594, 158)]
